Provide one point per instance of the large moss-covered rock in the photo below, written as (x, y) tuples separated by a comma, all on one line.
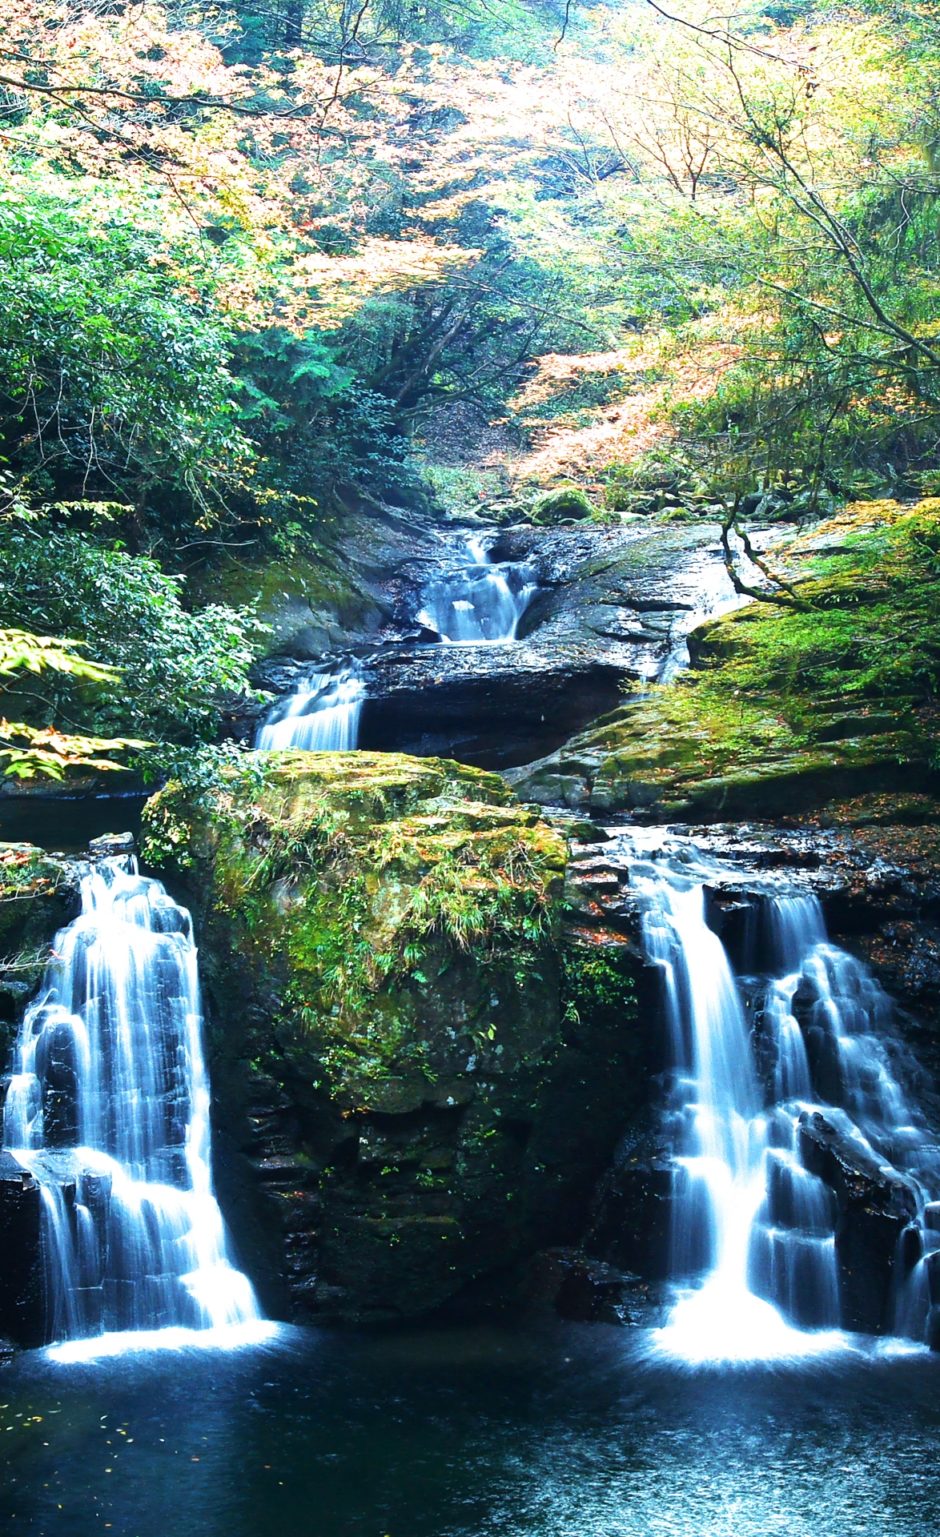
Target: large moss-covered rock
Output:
[(678, 754), (828, 693), (560, 504), (424, 1069)]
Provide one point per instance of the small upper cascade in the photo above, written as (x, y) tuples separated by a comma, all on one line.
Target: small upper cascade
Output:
[(108, 1107), (477, 601), (715, 597), (322, 716), (754, 1232)]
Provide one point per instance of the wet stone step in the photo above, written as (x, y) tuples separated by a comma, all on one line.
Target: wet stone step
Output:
[(281, 1169)]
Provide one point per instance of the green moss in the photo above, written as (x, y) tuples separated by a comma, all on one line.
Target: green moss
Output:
[(27, 874), (391, 994), (319, 580), (26, 869), (786, 707), (560, 504), (599, 983), (32, 886), (362, 879), (316, 578)]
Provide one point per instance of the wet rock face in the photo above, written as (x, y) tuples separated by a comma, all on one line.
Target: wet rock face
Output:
[(619, 590), (630, 1218), (345, 594), (609, 607), (631, 1215), (887, 909), (22, 1313), (37, 897), (612, 605), (420, 1067), (873, 1209), (586, 1290), (491, 706)]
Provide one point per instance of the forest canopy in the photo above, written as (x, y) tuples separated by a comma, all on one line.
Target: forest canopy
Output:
[(261, 265)]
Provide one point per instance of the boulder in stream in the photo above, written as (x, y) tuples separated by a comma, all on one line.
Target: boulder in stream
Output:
[(420, 1070)]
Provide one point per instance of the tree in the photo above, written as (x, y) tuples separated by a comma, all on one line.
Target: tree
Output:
[(178, 670), (821, 207), (27, 752)]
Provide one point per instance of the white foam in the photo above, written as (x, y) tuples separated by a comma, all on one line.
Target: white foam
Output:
[(103, 1347), (720, 1325)]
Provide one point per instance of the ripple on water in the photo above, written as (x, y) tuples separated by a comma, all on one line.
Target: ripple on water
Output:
[(570, 1432)]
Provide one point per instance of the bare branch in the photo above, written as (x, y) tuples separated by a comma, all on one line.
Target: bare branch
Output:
[(564, 25), (780, 592), (159, 99)]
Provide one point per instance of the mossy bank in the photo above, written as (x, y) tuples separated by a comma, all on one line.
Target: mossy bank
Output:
[(420, 1069), (829, 692)]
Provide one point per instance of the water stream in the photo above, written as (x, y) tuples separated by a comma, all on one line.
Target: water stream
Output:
[(471, 602), (478, 601), (754, 1247), (108, 1107), (321, 716), (467, 1432)]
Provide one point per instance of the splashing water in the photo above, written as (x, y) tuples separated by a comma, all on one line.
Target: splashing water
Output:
[(478, 602), (754, 1242), (322, 716), (108, 1107)]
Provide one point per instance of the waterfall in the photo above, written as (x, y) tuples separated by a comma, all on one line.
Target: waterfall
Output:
[(322, 716), (754, 1246), (478, 601), (108, 1107)]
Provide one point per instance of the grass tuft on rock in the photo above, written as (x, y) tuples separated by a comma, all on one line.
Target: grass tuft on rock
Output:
[(368, 874)]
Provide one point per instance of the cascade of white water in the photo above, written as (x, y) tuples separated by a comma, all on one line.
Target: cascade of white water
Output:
[(722, 1137), (754, 1242), (477, 601), (322, 716), (108, 1107)]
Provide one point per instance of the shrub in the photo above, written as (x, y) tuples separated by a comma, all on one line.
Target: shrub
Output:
[(177, 668)]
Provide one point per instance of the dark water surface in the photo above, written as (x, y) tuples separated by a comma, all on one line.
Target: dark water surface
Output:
[(65, 823), (466, 1433)]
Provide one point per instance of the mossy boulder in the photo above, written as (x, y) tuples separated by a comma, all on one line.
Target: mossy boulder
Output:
[(338, 590), (307, 604), (424, 1069), (786, 706), (562, 504)]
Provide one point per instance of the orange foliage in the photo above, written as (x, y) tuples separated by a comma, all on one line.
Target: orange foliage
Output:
[(131, 105), (626, 428)]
